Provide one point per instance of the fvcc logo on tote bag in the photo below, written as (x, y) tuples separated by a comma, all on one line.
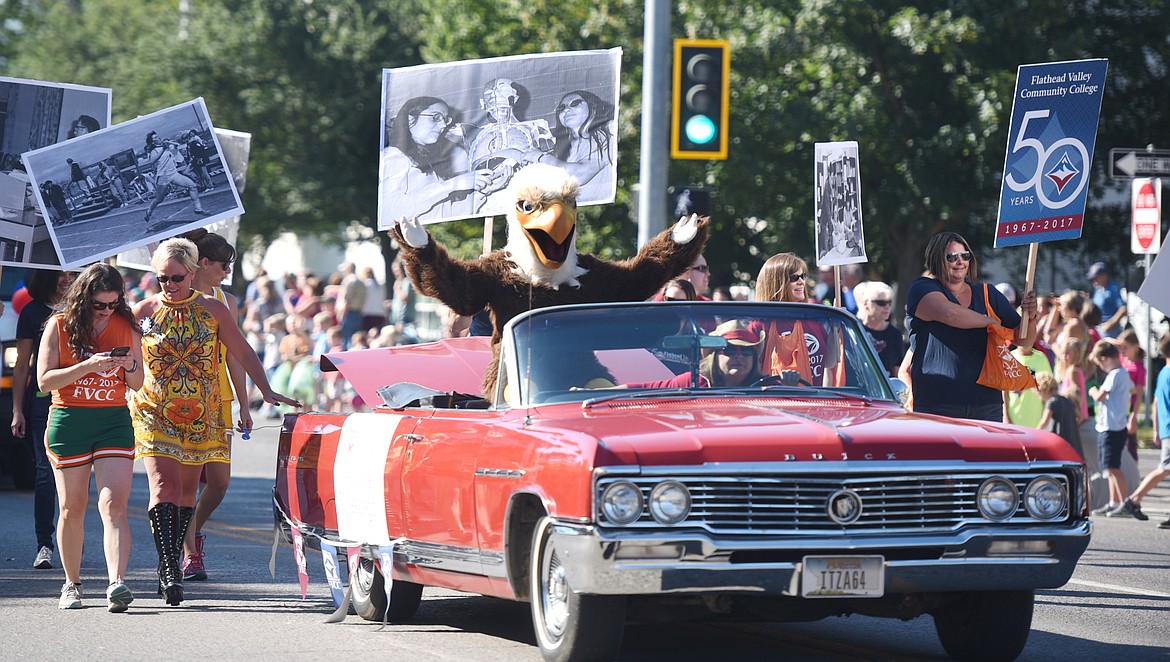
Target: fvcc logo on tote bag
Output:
[(1001, 370)]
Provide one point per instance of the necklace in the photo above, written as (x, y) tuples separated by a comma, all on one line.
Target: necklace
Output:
[(956, 291)]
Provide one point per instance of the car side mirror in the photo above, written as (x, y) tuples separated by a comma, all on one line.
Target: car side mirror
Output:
[(901, 390)]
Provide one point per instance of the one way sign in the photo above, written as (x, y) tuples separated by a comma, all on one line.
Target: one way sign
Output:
[(1138, 162)]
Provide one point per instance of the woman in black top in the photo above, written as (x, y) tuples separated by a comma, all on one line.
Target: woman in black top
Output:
[(30, 407)]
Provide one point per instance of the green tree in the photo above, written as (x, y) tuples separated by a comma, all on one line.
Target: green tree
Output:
[(925, 89)]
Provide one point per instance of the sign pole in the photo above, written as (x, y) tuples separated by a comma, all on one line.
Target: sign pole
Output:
[(488, 222), (837, 285), (1033, 252), (1147, 388)]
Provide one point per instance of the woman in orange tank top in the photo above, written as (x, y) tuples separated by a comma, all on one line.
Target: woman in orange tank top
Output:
[(89, 355)]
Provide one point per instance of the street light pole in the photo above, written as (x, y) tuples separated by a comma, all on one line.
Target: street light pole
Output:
[(655, 120)]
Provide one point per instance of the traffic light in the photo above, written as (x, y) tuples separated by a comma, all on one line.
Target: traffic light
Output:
[(700, 99)]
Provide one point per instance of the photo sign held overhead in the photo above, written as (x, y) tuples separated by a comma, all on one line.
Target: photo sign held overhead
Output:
[(837, 204), (35, 114), (1050, 151), (454, 133), (163, 190)]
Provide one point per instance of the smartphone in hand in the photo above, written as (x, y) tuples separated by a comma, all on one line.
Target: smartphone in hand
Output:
[(120, 351)]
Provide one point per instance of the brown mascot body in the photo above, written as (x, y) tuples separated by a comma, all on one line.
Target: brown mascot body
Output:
[(540, 266)]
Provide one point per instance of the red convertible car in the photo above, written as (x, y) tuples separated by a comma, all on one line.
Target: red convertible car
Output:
[(624, 468)]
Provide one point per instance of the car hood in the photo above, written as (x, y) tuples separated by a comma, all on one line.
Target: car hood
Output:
[(453, 364), (755, 429)]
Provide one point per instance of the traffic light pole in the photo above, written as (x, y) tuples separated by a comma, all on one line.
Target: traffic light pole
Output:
[(655, 121)]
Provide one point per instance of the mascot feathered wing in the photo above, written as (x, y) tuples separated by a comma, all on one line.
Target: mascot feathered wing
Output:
[(540, 265)]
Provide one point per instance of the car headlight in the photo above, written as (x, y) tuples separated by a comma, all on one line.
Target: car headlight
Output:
[(622, 502), (670, 502), (1045, 498), (998, 498)]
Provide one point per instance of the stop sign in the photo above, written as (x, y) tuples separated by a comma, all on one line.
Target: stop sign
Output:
[(1146, 232)]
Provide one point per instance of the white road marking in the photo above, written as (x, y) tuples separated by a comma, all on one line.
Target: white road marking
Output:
[(1120, 589)]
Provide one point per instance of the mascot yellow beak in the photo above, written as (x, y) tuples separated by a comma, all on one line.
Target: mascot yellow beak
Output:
[(550, 231)]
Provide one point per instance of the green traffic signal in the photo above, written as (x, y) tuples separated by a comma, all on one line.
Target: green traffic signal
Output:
[(700, 91), (700, 130)]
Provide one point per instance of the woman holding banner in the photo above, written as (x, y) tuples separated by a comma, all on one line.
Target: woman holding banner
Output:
[(948, 319)]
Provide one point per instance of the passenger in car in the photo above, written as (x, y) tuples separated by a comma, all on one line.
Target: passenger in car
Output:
[(807, 348)]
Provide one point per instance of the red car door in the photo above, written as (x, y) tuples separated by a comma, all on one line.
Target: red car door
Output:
[(438, 490)]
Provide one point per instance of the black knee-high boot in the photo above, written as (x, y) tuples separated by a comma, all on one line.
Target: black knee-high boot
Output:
[(164, 524), (186, 514)]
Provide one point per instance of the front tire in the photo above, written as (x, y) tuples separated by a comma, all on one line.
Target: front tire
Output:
[(369, 594), (990, 625), (570, 626)]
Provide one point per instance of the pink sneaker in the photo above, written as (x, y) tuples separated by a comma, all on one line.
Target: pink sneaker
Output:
[(193, 565)]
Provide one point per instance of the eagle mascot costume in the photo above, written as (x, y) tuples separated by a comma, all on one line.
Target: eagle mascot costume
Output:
[(539, 266)]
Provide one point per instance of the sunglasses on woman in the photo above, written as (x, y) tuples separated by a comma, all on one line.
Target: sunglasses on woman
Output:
[(171, 279), (102, 305), (742, 350), (955, 257), (796, 278), (572, 104)]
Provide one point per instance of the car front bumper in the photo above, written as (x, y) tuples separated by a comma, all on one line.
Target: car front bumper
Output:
[(608, 562)]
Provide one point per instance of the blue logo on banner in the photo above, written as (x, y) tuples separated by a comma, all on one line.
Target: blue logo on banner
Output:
[(386, 555), (1050, 151), (329, 559)]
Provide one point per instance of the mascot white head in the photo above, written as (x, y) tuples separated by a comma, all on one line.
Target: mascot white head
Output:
[(542, 225)]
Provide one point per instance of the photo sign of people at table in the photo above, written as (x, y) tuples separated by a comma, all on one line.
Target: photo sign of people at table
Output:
[(453, 134), (35, 114), (839, 235)]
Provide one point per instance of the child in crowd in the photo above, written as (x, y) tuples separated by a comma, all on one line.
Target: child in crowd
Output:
[(1133, 359), (1059, 415), (1161, 411), (1112, 398), (275, 329), (1071, 376)]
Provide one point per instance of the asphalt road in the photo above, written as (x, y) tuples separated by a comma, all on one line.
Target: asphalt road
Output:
[(1117, 607)]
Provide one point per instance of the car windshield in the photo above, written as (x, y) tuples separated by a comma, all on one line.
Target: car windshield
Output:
[(590, 353)]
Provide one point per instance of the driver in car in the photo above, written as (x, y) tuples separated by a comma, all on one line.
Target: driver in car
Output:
[(737, 364)]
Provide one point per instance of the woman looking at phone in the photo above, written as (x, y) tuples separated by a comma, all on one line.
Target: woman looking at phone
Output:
[(89, 422)]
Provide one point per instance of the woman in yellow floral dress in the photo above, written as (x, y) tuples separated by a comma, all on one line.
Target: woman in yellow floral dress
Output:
[(178, 418)]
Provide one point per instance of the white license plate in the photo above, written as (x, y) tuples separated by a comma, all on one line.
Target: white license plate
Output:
[(842, 577)]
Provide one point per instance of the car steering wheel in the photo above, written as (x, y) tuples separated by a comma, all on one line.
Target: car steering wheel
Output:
[(781, 380)]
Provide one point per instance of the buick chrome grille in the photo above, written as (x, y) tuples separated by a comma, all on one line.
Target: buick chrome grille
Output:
[(797, 504)]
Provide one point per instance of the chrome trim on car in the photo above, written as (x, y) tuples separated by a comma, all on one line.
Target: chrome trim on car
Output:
[(783, 499), (499, 473), (451, 558), (844, 507), (632, 562)]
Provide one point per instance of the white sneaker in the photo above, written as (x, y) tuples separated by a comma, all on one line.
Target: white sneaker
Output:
[(44, 559), (70, 596)]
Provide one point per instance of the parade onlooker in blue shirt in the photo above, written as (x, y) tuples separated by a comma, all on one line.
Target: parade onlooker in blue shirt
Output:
[(1107, 296)]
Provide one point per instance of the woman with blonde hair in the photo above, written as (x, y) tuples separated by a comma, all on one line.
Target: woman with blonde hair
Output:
[(784, 277), (794, 346), (178, 416)]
